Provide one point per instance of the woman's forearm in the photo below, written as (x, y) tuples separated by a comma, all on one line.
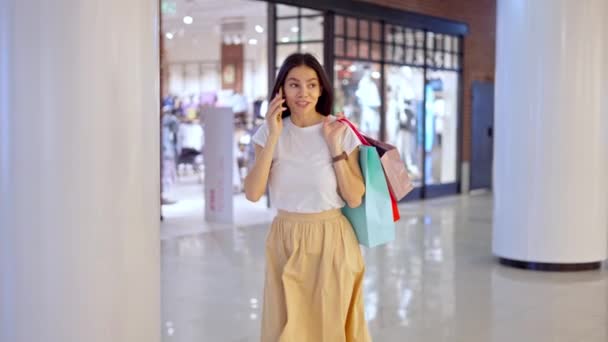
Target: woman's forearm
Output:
[(350, 181), (257, 179)]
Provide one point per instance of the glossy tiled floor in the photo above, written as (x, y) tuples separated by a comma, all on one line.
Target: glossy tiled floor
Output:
[(437, 282)]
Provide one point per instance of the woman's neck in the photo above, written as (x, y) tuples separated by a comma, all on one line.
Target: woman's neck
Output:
[(306, 120)]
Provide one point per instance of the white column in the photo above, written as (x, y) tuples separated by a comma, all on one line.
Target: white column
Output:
[(551, 144), (79, 186)]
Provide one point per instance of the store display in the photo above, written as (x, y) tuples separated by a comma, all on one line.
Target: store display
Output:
[(379, 84), (403, 106), (369, 99), (357, 94)]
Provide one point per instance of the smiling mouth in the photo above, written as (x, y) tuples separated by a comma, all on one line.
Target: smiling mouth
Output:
[(302, 103)]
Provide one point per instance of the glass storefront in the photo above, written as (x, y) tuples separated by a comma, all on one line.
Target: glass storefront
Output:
[(401, 85), (218, 58), (397, 83)]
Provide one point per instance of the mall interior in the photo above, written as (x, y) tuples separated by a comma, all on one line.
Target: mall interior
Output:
[(127, 220)]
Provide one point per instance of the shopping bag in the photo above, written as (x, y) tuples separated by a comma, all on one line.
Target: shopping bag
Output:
[(373, 219), (396, 173), (367, 141)]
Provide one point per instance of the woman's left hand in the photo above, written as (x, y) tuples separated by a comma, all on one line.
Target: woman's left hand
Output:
[(333, 131)]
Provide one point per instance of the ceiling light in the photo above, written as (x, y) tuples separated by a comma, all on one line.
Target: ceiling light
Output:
[(285, 40), (259, 29), (376, 74), (253, 41), (188, 20), (352, 68), (295, 29), (169, 35)]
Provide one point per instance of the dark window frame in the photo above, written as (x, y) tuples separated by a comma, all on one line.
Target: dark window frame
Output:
[(410, 25)]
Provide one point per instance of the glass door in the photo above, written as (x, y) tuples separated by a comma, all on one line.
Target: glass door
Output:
[(442, 92), (441, 134), (404, 108)]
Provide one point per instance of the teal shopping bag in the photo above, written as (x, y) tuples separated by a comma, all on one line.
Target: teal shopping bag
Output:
[(373, 219)]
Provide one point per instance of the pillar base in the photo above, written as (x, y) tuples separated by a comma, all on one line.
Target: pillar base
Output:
[(550, 267)]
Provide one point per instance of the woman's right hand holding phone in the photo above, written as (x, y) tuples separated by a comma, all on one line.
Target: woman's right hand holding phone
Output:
[(274, 115)]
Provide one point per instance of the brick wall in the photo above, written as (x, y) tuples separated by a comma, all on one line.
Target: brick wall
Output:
[(479, 47)]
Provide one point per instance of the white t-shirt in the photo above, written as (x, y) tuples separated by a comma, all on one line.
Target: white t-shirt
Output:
[(191, 136), (302, 178)]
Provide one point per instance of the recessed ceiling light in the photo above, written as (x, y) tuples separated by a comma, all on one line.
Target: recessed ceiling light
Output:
[(295, 29), (285, 40), (253, 41), (169, 35), (188, 20), (259, 29)]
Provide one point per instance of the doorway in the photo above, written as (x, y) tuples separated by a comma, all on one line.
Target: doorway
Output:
[(482, 157)]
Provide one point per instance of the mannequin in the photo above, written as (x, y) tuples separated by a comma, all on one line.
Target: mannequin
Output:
[(369, 99), (404, 81)]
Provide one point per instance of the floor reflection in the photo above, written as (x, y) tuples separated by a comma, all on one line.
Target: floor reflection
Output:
[(436, 282)]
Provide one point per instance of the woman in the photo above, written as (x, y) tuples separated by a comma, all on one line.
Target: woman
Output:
[(314, 267)]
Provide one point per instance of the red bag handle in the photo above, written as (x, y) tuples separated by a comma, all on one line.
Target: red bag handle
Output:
[(355, 130)]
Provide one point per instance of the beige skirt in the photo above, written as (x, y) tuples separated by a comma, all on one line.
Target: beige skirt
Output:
[(314, 280)]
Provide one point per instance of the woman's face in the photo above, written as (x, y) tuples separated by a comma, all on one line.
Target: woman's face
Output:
[(302, 90)]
